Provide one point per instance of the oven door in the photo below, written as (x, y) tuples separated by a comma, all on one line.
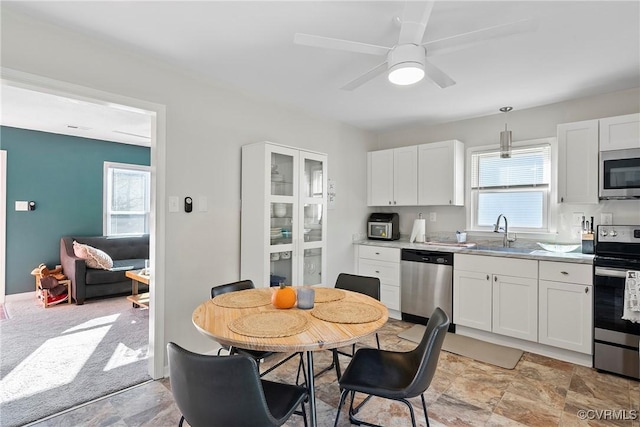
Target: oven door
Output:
[(609, 301), (620, 174)]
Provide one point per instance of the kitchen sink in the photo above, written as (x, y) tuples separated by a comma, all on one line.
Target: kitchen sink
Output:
[(503, 249)]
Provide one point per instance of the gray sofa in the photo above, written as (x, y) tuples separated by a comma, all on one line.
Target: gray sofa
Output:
[(128, 253)]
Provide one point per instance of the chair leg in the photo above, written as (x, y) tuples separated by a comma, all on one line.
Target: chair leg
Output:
[(286, 359), (181, 421), (343, 396), (424, 406), (357, 421), (304, 372), (336, 362), (378, 340)]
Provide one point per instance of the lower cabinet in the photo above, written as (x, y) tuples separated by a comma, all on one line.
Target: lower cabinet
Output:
[(566, 307), (496, 294), (383, 263), (515, 307), (472, 300)]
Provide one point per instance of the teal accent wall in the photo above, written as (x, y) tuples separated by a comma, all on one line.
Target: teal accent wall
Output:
[(63, 175)]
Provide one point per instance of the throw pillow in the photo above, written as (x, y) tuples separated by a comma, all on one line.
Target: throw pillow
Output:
[(93, 257)]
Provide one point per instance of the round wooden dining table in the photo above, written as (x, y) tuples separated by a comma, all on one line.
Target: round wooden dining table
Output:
[(216, 321)]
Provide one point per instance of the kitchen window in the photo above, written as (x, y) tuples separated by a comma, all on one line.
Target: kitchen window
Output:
[(127, 190), (518, 187)]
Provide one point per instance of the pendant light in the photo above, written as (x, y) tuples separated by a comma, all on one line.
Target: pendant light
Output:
[(505, 138)]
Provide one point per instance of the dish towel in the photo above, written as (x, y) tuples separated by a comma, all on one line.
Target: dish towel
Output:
[(631, 310)]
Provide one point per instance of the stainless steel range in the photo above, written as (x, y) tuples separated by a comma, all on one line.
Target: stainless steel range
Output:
[(616, 341)]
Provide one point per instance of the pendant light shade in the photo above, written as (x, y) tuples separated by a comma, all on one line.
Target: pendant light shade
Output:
[(505, 138)]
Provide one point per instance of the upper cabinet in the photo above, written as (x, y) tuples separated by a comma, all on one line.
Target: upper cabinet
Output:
[(578, 162), (426, 175), (620, 133), (392, 177), (441, 173)]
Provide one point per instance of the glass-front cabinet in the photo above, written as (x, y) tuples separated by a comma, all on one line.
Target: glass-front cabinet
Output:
[(284, 204)]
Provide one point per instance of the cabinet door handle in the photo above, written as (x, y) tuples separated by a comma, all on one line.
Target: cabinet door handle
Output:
[(561, 199), (449, 201), (564, 272), (394, 202), (487, 277), (586, 289), (389, 201), (495, 278), (377, 253), (377, 272)]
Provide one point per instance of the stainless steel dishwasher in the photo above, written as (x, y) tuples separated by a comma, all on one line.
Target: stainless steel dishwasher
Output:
[(426, 282)]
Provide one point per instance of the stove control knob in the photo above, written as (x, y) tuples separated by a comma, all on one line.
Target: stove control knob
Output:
[(613, 233), (604, 233)]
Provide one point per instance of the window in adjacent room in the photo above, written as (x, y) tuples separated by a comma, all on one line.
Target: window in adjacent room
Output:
[(127, 190), (518, 187)]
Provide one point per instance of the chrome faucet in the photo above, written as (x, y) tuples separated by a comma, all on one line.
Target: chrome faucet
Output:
[(506, 241)]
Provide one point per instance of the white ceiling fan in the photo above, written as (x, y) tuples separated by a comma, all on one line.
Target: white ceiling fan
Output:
[(407, 62)]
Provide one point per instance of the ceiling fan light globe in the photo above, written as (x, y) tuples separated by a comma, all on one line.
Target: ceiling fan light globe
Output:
[(406, 74)]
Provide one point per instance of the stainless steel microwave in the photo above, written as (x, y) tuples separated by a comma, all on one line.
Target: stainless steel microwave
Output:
[(620, 174)]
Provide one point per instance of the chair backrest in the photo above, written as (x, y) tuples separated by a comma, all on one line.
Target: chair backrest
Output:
[(217, 390), (231, 287), (425, 355), (361, 284)]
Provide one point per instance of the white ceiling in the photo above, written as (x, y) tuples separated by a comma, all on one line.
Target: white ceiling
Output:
[(580, 48)]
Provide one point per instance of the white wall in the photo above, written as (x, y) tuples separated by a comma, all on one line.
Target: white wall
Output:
[(527, 124), (206, 125)]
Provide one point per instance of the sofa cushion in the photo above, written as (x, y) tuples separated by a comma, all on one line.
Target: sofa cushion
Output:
[(120, 267)]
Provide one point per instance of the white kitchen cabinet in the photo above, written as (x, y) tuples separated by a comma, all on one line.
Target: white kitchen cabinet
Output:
[(620, 132), (441, 173), (566, 306), (383, 263), (472, 300), (496, 294), (283, 218), (392, 177), (578, 162), (515, 306)]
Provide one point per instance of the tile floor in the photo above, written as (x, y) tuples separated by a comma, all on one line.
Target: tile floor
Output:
[(538, 392)]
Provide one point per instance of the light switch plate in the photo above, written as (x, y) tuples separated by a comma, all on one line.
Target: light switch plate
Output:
[(173, 204), (432, 216), (22, 206), (577, 219), (606, 218)]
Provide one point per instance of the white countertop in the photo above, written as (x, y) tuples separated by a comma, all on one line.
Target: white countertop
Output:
[(523, 253)]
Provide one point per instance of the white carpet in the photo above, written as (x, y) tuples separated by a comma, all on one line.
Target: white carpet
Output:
[(499, 355), (56, 358)]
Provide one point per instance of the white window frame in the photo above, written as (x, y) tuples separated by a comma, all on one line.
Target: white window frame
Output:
[(550, 203), (106, 201)]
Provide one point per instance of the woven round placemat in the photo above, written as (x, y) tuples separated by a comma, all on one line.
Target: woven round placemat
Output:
[(243, 299), (270, 324), (328, 294), (347, 312)]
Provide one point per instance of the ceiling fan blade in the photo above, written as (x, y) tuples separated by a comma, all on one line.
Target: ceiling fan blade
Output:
[(338, 44), (438, 76), (471, 38), (353, 84), (414, 21)]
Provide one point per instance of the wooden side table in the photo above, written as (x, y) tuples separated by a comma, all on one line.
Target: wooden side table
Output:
[(43, 294)]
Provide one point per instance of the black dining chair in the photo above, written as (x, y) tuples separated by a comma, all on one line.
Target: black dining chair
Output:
[(366, 285), (392, 374), (256, 355), (227, 391)]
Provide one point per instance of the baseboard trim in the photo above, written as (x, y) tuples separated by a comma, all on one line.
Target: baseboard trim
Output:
[(20, 297)]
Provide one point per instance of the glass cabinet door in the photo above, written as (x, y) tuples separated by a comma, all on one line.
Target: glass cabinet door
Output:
[(281, 268), (282, 173), (281, 223), (312, 267)]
